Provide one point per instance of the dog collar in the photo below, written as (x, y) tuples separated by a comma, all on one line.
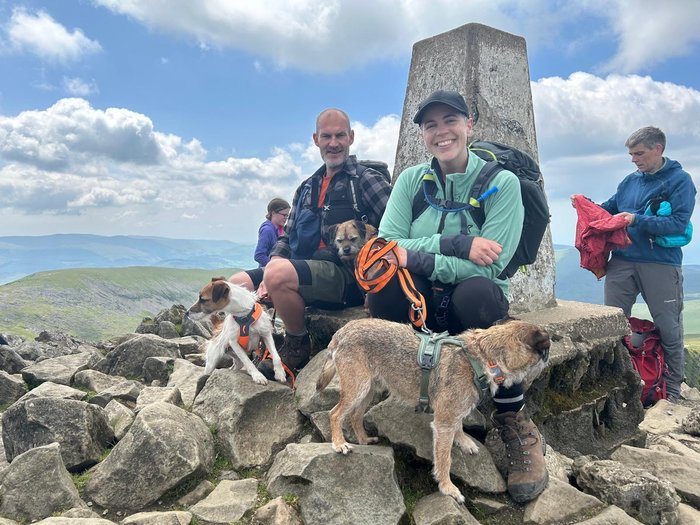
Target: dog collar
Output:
[(244, 324)]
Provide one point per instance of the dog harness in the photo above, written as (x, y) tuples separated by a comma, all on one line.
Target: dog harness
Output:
[(244, 324), (429, 357), (261, 353)]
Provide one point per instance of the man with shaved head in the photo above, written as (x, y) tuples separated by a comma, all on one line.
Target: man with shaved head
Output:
[(302, 271)]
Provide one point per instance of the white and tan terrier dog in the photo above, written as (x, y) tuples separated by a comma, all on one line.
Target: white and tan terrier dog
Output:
[(246, 322), (348, 239), (367, 350)]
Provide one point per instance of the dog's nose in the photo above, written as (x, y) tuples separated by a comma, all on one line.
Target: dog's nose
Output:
[(346, 249)]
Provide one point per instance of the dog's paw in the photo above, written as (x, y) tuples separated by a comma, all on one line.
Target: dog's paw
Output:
[(466, 444), (258, 378), (280, 376), (449, 489), (368, 441), (343, 448)]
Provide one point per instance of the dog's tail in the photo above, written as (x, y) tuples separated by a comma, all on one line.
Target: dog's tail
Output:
[(327, 373)]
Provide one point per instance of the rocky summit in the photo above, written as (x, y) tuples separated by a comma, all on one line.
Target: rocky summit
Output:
[(114, 432)]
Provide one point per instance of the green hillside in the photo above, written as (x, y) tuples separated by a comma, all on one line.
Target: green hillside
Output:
[(93, 304)]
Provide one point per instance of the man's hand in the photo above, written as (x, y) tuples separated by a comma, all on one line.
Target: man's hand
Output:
[(261, 292), (629, 217), (484, 251)]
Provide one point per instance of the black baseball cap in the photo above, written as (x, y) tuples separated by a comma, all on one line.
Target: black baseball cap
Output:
[(450, 98)]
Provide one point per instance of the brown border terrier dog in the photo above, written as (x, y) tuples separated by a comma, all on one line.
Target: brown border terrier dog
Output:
[(366, 350), (349, 237)]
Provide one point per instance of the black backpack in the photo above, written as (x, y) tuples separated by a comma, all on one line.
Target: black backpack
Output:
[(501, 157)]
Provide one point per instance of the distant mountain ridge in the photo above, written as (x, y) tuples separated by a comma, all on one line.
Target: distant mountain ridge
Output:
[(25, 255)]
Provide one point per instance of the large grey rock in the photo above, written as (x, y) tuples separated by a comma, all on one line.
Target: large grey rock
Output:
[(437, 509), (227, 502), (401, 425), (10, 361), (276, 512), (560, 503), (308, 400), (128, 358), (185, 376), (252, 421), (611, 516), (60, 369), (95, 381), (164, 447), (688, 515), (197, 494), (12, 387), (178, 517), (49, 389), (158, 369), (691, 423), (158, 394), (80, 428), (36, 485), (664, 418), (681, 471), (638, 493), (126, 390), (359, 488), (167, 330), (60, 520), (119, 418)]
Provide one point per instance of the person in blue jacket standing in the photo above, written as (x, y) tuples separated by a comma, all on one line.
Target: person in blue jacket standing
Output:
[(271, 229), (651, 265)]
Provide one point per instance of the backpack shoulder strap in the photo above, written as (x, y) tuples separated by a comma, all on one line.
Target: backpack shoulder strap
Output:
[(483, 179), (360, 214)]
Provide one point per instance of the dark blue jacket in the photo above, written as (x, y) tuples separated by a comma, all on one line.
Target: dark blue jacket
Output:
[(633, 194)]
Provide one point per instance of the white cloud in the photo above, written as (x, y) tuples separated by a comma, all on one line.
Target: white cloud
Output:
[(78, 87), (40, 34), (333, 35), (74, 161), (650, 32)]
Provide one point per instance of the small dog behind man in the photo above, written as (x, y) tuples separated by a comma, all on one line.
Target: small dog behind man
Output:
[(246, 322), (374, 350), (348, 239)]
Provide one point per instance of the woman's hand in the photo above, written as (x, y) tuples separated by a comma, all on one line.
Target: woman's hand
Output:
[(402, 257), (484, 251)]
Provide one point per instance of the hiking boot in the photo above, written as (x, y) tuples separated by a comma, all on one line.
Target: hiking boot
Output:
[(294, 352), (525, 449)]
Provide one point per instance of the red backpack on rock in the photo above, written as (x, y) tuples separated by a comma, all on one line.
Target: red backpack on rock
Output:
[(647, 359)]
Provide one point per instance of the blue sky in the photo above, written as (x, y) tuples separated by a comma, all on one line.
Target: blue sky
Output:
[(182, 119)]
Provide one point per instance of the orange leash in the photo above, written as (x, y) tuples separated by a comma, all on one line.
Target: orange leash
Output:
[(373, 272)]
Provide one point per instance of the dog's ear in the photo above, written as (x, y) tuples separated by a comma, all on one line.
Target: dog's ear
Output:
[(360, 227), (371, 231), (219, 290), (332, 230), (540, 342), (214, 279)]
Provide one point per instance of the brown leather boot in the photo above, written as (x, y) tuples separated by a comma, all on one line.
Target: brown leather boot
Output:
[(294, 352), (525, 448)]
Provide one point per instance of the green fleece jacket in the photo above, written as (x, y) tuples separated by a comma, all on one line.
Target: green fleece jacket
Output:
[(445, 257)]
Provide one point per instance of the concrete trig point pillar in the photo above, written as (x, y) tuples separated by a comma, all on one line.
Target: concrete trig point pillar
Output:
[(490, 69)]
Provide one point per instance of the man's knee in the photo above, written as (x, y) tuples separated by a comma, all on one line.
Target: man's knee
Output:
[(242, 279), (279, 273)]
